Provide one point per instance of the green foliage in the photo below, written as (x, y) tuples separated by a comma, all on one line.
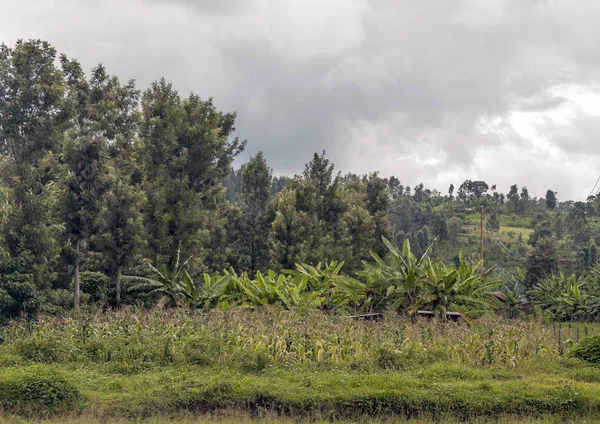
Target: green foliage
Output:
[(95, 284), (588, 350), (561, 297), (513, 296), (39, 389), (256, 182), (95, 175), (409, 283), (18, 292), (132, 363), (130, 341)]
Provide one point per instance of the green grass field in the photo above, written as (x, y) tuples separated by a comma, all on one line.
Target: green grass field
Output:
[(273, 365)]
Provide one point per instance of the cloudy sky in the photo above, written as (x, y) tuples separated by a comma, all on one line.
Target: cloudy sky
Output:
[(431, 91)]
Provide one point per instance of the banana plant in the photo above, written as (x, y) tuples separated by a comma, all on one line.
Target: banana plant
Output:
[(512, 294), (394, 284), (464, 289), (560, 297), (214, 291), (326, 280), (172, 284)]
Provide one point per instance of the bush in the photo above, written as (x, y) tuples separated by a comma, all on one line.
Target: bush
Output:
[(588, 349), (95, 284), (389, 359), (37, 389), (40, 349)]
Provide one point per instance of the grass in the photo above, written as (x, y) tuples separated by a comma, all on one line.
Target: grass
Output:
[(278, 366), (239, 417)]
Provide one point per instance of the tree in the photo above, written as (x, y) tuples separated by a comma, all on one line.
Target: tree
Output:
[(523, 202), (473, 188), (451, 191), (454, 226), (377, 204), (513, 199), (120, 218), (291, 233), (32, 121), (256, 183), (84, 154), (18, 292), (187, 151), (551, 200), (542, 261)]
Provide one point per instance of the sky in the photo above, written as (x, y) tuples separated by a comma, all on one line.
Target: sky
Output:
[(506, 91)]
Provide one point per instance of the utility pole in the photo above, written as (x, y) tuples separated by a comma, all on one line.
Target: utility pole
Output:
[(481, 240)]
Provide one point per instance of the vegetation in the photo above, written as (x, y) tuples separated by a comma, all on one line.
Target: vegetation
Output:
[(98, 177), (141, 274), (304, 364)]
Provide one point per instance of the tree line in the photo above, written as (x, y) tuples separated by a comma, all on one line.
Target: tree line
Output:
[(97, 176)]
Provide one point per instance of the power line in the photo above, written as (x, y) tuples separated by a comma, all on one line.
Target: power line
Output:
[(592, 190), (505, 249)]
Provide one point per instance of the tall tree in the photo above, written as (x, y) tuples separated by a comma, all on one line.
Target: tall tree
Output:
[(32, 121), (256, 186), (292, 232), (120, 219), (542, 261), (523, 202), (550, 199), (377, 204), (84, 154), (513, 199), (187, 151)]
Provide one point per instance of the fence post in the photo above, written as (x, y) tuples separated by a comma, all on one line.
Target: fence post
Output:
[(560, 346)]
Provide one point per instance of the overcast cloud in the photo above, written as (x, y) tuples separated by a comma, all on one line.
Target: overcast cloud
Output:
[(430, 91)]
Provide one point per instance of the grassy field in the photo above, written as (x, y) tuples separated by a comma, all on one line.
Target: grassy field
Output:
[(281, 366)]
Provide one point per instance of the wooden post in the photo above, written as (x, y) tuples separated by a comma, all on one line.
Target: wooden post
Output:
[(481, 240), (560, 346)]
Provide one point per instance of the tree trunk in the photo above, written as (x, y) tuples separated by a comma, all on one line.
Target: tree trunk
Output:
[(76, 277), (118, 285)]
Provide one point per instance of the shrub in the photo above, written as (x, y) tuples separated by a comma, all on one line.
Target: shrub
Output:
[(588, 349), (37, 388), (40, 349), (389, 359), (95, 284), (199, 351)]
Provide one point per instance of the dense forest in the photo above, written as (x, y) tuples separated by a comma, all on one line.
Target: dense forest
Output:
[(98, 179)]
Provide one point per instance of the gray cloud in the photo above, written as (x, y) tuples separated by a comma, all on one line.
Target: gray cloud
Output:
[(425, 90)]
